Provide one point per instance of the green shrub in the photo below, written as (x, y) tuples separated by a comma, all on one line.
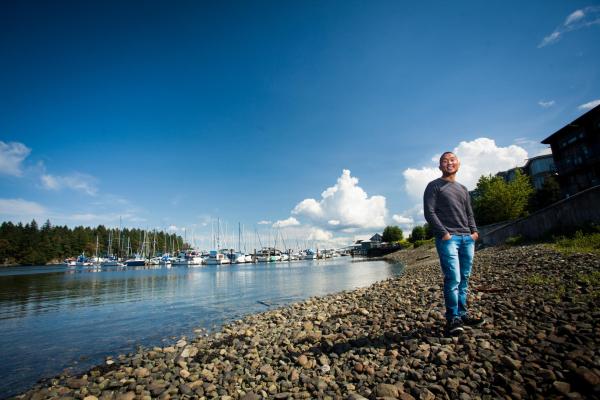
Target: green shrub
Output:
[(514, 240), (419, 243), (579, 243)]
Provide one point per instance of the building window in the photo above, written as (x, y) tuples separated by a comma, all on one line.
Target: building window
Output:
[(571, 138)]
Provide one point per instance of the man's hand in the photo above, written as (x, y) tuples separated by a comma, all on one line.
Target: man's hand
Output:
[(447, 236), (475, 236)]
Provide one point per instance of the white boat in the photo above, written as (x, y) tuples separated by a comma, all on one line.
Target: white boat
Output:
[(165, 259), (237, 258), (265, 254), (195, 258), (111, 261), (217, 258), (83, 261), (310, 254), (71, 262), (180, 261), (249, 258)]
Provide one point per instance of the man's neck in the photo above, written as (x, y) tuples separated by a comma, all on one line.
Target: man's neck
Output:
[(449, 178)]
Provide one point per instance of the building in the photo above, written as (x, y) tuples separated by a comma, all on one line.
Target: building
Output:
[(376, 238), (374, 242), (509, 175), (539, 168), (576, 152)]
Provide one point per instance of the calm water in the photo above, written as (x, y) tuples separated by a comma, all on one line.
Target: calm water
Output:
[(53, 318)]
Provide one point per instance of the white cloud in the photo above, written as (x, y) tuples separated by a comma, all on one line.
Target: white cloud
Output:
[(575, 16), (576, 20), (320, 235), (344, 205), (590, 105), (291, 221), (533, 147), (415, 180), (546, 104), (77, 181), (478, 157), (12, 155), (402, 220), (551, 38), (543, 152), (22, 210), (264, 222), (96, 218)]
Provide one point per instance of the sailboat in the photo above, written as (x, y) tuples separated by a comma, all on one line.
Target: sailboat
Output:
[(137, 260), (216, 257), (110, 260)]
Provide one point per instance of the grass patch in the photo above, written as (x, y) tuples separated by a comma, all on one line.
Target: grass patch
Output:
[(552, 285), (419, 243), (579, 243), (541, 280), (515, 240), (591, 279)]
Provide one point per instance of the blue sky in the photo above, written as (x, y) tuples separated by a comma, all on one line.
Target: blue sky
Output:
[(171, 114)]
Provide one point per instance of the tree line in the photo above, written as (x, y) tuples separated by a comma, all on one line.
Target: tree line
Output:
[(30, 244)]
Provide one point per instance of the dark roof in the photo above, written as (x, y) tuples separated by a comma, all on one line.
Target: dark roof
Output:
[(376, 237), (569, 127), (530, 160)]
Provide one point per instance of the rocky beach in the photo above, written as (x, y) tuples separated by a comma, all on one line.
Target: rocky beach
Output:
[(541, 340)]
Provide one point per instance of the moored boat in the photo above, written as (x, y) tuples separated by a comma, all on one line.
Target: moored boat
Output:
[(136, 261)]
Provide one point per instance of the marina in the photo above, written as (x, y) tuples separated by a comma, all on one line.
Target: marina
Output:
[(147, 252)]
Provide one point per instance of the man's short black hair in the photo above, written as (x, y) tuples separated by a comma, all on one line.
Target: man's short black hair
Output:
[(444, 153)]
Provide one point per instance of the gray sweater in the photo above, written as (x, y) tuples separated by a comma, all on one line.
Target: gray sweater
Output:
[(447, 207)]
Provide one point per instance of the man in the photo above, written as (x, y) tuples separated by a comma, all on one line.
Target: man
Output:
[(447, 207)]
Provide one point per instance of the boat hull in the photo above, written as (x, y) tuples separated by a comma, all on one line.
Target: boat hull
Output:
[(135, 263)]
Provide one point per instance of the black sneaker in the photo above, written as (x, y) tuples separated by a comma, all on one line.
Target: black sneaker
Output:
[(454, 326), (472, 321)]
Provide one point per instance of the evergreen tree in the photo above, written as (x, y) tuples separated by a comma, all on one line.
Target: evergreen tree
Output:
[(32, 245)]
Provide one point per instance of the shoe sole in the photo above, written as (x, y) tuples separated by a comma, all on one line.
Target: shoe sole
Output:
[(477, 324), (454, 331)]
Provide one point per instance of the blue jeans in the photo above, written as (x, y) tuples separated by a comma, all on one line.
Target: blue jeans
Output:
[(456, 259)]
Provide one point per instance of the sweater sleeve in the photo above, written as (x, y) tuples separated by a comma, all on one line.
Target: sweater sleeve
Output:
[(429, 203), (470, 215)]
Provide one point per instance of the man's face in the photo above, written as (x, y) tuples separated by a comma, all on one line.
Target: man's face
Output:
[(449, 164)]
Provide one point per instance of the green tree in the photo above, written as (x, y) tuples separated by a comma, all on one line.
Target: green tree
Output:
[(548, 194), (495, 200), (392, 234), (418, 233)]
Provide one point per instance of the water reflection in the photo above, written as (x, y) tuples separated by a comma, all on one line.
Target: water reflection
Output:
[(57, 317)]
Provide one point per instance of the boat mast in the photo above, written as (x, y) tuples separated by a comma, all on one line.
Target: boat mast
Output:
[(154, 245), (119, 250), (218, 234)]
